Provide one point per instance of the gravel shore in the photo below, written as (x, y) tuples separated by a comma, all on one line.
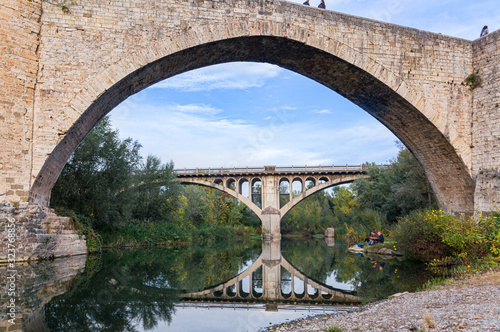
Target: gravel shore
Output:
[(471, 304)]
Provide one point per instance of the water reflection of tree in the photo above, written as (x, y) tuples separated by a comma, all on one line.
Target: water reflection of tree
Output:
[(371, 282), (140, 287), (313, 257)]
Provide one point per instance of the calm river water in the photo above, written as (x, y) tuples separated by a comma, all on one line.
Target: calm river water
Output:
[(231, 286)]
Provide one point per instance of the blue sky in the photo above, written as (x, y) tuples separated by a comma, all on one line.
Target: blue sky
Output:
[(252, 114)]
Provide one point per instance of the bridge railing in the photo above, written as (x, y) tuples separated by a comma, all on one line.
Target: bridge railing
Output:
[(322, 168), (219, 170), (222, 170)]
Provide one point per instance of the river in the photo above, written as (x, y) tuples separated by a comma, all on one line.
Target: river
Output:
[(229, 286)]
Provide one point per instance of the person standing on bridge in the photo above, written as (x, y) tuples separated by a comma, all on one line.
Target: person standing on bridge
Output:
[(322, 4), (485, 31), (306, 3)]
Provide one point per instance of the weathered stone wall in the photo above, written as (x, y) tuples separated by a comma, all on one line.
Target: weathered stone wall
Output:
[(19, 39), (100, 53), (95, 50), (40, 234), (87, 51), (486, 123)]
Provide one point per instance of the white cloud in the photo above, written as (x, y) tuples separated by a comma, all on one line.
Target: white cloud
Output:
[(194, 108), (322, 112), (234, 75), (207, 139)]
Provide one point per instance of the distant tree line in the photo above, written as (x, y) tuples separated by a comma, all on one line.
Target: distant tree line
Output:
[(114, 190), (368, 203), (111, 188)]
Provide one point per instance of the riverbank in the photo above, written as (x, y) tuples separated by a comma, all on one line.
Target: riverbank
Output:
[(468, 304), (32, 233)]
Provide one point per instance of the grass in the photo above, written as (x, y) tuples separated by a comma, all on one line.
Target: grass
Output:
[(458, 275), (142, 234), (388, 243), (433, 283), (334, 329)]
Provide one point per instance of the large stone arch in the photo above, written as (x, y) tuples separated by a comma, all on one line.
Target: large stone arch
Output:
[(361, 79)]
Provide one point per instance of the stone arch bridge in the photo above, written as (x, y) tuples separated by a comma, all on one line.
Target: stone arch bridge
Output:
[(61, 72), (265, 185)]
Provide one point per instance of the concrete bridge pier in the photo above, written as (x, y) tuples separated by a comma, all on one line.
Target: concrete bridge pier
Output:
[(270, 216), (271, 250), (271, 220), (271, 268)]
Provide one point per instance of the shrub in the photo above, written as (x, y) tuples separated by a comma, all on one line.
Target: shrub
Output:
[(464, 235), (473, 81), (491, 229), (434, 235), (419, 237)]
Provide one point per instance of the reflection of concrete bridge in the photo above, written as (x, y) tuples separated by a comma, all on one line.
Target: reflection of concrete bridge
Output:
[(265, 281), (263, 185), (231, 305)]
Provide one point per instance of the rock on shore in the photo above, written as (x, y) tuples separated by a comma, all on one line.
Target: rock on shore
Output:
[(471, 304)]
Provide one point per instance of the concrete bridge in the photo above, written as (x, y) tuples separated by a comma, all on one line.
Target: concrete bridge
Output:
[(60, 73), (268, 284), (266, 185)]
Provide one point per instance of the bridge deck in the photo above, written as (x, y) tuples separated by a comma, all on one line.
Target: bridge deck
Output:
[(270, 170)]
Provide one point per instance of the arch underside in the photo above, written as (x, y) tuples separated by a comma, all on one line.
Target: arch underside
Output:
[(252, 206), (318, 187), (445, 170)]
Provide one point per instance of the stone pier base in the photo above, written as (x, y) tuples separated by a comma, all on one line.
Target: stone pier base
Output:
[(33, 233)]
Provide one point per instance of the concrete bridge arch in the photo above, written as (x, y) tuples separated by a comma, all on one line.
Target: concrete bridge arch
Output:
[(90, 60), (269, 208)]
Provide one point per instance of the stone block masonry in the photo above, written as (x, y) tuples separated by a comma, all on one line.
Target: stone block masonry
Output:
[(20, 27), (486, 123), (39, 234), (60, 73)]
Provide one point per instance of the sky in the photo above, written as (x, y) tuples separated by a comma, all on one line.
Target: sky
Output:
[(256, 114)]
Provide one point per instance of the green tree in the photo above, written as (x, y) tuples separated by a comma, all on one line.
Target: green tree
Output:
[(97, 180), (157, 191), (195, 207), (389, 193), (397, 189)]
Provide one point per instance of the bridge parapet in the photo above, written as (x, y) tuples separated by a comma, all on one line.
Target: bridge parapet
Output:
[(271, 169)]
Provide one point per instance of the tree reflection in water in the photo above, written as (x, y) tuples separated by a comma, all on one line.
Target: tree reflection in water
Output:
[(140, 287), (126, 289)]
